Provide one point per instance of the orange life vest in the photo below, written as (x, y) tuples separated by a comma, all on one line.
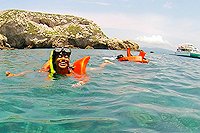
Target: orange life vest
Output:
[(131, 58), (142, 53), (79, 66)]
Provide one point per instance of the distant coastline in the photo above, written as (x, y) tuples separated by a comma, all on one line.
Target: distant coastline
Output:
[(21, 29)]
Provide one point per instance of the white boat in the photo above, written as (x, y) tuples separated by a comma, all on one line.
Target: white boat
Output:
[(188, 50)]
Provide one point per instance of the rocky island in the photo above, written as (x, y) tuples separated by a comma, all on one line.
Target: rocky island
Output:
[(24, 29)]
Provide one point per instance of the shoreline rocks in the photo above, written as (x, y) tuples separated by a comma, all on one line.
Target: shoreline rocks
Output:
[(24, 29)]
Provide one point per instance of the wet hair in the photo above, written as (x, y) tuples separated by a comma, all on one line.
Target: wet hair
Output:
[(119, 56), (54, 57)]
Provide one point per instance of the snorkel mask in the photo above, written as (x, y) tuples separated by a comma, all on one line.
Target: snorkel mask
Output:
[(62, 51)]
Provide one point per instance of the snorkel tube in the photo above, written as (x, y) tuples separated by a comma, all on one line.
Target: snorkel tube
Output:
[(52, 70)]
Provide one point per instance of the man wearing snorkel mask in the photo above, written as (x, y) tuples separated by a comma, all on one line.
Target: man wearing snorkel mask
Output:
[(59, 63), (60, 60)]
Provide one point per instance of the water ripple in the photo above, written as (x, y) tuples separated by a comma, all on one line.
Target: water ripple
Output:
[(161, 96)]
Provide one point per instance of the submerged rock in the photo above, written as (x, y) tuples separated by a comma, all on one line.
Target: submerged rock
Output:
[(25, 29)]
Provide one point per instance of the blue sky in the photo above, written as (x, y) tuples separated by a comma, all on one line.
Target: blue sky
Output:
[(151, 23)]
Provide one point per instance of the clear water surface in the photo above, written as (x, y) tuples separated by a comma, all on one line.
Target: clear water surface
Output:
[(162, 96)]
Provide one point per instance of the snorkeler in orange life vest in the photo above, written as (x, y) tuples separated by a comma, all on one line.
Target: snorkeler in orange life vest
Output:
[(133, 58), (59, 63)]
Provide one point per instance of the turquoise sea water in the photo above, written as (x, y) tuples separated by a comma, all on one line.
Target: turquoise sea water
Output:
[(162, 96)]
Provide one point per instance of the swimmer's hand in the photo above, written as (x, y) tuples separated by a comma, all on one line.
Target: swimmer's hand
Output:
[(9, 74), (79, 84)]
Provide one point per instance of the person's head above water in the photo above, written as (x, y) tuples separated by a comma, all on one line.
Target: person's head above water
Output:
[(61, 58), (119, 56)]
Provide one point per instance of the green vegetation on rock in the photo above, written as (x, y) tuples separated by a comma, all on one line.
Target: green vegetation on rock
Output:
[(32, 29), (74, 29), (25, 29)]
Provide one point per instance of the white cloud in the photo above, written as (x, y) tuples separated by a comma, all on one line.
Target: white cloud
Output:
[(147, 23), (154, 26), (168, 5), (95, 2), (102, 3), (154, 39)]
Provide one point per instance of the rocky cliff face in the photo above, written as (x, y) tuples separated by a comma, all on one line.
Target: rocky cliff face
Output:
[(24, 29), (3, 43)]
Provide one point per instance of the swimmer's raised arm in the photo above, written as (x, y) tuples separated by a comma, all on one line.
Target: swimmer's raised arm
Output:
[(9, 74)]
